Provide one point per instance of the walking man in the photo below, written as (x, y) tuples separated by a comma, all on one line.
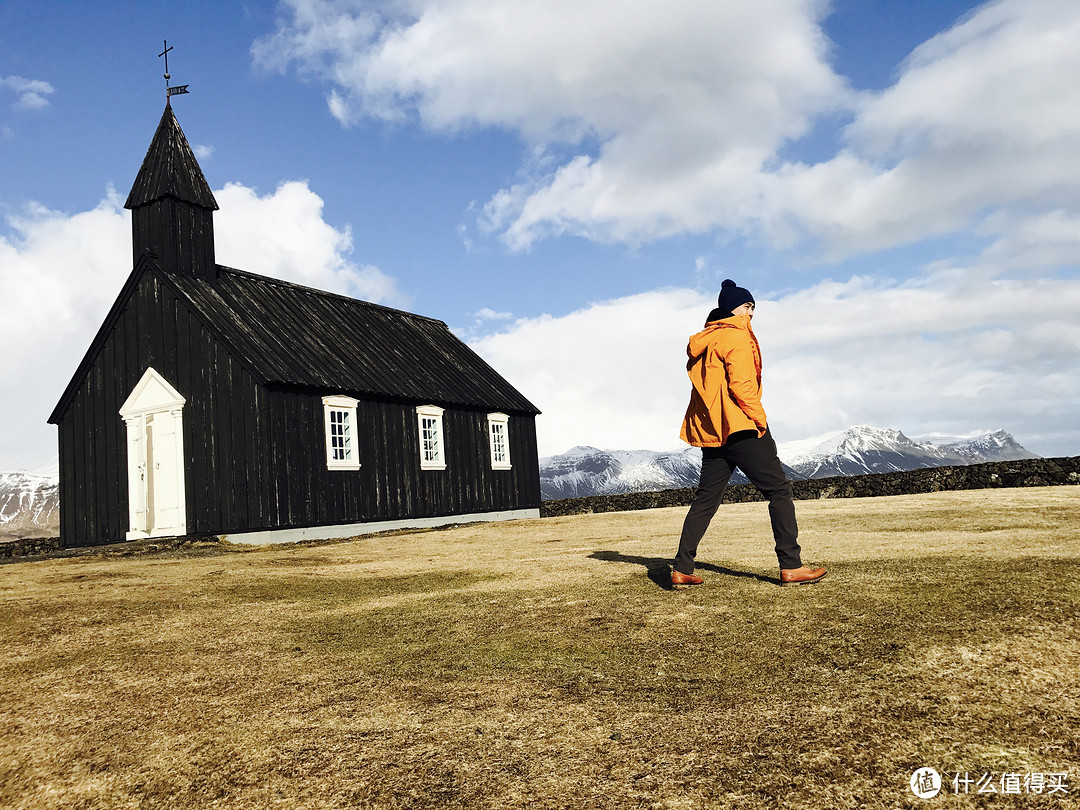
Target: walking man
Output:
[(725, 419)]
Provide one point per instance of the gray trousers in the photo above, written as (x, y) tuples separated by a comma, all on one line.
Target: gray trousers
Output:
[(757, 459)]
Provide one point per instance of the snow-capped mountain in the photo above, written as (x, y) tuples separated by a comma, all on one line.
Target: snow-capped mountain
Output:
[(861, 450), (584, 471), (29, 505), (995, 445)]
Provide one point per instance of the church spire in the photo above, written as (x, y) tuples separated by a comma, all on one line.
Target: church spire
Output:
[(172, 206)]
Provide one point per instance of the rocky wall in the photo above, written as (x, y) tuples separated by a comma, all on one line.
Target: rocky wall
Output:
[(1037, 472), (23, 547)]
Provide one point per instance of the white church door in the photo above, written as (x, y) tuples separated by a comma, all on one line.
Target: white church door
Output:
[(153, 414)]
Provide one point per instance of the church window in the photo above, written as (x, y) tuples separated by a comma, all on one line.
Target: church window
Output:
[(432, 449), (339, 415), (498, 440)]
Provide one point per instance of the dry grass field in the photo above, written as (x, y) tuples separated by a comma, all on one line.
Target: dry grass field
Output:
[(547, 664)]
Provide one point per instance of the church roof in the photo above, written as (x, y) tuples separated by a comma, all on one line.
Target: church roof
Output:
[(170, 169), (292, 335), (298, 337)]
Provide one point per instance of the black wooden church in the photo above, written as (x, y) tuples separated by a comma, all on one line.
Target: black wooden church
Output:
[(215, 401)]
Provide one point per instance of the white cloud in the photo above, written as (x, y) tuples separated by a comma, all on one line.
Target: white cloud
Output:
[(1046, 240), (590, 66), (662, 118), (944, 353), (59, 270), (947, 352), (60, 273), (33, 93), (285, 236), (982, 120), (610, 375), (686, 99), (202, 152), (481, 323), (488, 314)]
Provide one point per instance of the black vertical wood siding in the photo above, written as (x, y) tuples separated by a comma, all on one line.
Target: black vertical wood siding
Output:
[(255, 457), (390, 485), (181, 235), (156, 329)]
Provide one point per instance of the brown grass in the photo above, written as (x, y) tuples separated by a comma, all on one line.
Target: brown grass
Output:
[(546, 664)]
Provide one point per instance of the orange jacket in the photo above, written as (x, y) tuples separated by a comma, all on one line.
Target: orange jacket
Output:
[(725, 368)]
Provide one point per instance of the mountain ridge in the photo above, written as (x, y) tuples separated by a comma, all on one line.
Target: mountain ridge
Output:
[(584, 471)]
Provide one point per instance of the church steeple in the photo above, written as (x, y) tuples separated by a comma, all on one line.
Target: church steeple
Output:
[(172, 207)]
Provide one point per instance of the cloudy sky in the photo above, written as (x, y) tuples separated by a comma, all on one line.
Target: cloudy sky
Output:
[(567, 183)]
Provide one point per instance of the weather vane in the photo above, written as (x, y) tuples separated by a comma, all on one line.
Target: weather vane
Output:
[(170, 91)]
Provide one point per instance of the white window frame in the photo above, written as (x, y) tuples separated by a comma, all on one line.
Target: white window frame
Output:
[(347, 407), (499, 423), (431, 458)]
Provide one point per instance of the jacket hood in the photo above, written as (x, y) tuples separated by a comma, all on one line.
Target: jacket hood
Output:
[(702, 340)]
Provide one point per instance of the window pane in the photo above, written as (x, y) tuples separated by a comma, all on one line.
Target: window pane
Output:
[(431, 439), (340, 436), (498, 442)]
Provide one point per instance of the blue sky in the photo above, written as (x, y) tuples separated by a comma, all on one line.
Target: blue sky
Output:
[(566, 184)]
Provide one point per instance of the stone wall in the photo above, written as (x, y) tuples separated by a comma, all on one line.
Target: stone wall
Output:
[(24, 547), (1038, 472)]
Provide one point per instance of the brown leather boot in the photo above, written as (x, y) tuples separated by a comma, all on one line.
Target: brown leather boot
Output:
[(681, 580), (801, 576)]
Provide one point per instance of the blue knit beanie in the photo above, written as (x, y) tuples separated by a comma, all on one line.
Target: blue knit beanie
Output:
[(732, 296)]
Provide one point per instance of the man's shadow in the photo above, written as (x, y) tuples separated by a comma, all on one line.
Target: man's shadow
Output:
[(659, 568)]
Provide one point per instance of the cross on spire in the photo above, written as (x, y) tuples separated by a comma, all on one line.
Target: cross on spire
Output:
[(170, 91)]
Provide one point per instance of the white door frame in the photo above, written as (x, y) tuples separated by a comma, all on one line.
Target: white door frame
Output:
[(153, 414)]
